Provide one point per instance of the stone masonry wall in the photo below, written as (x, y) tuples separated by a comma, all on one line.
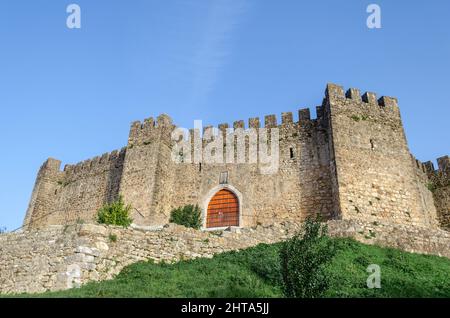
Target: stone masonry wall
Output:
[(147, 177), (351, 162), (62, 257), (299, 188), (439, 183), (374, 176), (77, 192)]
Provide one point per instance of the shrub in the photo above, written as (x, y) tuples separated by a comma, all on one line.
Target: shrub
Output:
[(304, 259), (112, 238), (431, 186), (189, 216), (115, 213), (80, 221)]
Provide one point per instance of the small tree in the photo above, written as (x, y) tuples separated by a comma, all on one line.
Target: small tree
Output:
[(116, 213), (189, 216), (303, 260)]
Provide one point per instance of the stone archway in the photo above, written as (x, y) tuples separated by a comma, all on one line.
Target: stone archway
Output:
[(222, 208)]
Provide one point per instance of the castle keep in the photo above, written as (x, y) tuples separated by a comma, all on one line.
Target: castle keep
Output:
[(350, 163)]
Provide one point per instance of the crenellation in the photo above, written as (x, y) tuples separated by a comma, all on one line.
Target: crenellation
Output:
[(78, 167), (319, 112), (149, 123), (354, 94), (270, 121), (223, 127), (208, 129), (429, 167), (286, 118), (136, 126), (439, 184), (374, 136), (86, 165), (52, 164), (388, 102), (113, 155), (164, 120), (239, 124), (352, 162), (369, 97), (104, 158), (304, 115), (334, 91), (254, 123), (444, 163)]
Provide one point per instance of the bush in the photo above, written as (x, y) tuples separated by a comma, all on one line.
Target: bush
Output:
[(115, 213), (189, 216), (304, 259), (112, 238)]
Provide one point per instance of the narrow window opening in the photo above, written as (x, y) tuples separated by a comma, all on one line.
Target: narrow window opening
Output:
[(223, 179), (291, 152), (200, 167), (372, 144)]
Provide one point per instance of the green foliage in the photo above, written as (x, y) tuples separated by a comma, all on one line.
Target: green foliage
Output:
[(80, 221), (255, 272), (112, 238), (431, 186), (115, 213), (189, 216), (355, 118), (303, 260)]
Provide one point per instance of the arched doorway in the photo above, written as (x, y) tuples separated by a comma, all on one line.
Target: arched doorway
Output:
[(223, 210)]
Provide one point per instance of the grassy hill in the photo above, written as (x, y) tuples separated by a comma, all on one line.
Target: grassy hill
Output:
[(254, 272)]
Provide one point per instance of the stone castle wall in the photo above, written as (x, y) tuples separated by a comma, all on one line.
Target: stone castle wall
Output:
[(375, 178), (439, 183), (351, 162), (147, 177), (77, 192), (300, 188), (62, 257)]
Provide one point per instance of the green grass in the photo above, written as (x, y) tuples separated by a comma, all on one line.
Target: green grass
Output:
[(254, 272)]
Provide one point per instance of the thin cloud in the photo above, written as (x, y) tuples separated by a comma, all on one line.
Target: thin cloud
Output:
[(215, 47)]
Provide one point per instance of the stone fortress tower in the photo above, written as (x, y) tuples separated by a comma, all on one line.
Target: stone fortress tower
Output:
[(351, 162)]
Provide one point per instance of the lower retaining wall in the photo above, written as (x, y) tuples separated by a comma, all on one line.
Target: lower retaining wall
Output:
[(62, 257), (412, 239)]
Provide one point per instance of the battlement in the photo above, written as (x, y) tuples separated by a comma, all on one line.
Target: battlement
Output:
[(270, 121), (336, 92), (443, 165), (162, 120), (305, 165), (51, 164), (149, 127), (422, 167), (95, 163)]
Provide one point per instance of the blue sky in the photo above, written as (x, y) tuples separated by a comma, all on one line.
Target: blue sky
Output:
[(71, 94)]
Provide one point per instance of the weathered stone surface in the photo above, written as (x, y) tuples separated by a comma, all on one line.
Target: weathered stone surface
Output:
[(439, 183), (351, 165), (28, 263), (352, 162)]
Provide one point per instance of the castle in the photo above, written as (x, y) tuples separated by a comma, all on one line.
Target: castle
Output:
[(351, 162)]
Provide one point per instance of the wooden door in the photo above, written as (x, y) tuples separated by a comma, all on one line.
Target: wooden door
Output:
[(223, 210)]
